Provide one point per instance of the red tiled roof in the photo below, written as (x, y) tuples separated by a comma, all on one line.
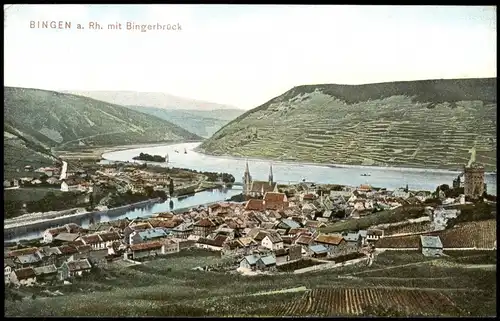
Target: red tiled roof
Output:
[(329, 239), (309, 196), (304, 239), (26, 273), (91, 239), (274, 197), (110, 236), (67, 249), (146, 246), (30, 250), (204, 223), (254, 205)]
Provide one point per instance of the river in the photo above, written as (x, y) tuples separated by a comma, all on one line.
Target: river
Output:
[(183, 202), (286, 172), (283, 172)]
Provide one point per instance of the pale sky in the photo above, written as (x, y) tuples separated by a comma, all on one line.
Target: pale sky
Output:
[(245, 55)]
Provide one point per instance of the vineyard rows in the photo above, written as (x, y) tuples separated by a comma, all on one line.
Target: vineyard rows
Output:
[(408, 228), (480, 234), (355, 301)]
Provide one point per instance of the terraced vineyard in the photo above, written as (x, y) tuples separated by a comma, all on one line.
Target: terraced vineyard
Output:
[(408, 228), (355, 301), (480, 234), (381, 124)]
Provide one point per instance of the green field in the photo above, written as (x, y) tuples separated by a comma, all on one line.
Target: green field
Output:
[(430, 124), (169, 287)]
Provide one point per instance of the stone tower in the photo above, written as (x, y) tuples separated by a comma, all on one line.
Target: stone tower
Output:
[(247, 180), (271, 174), (474, 180)]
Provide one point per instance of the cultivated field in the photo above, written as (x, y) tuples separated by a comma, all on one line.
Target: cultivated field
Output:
[(478, 234), (356, 301), (336, 125), (408, 228), (169, 287)]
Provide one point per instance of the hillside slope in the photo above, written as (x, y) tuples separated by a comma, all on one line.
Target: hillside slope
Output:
[(20, 151), (150, 99), (429, 123), (203, 123), (54, 119)]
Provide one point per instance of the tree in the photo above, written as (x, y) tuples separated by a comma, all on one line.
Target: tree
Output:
[(171, 187)]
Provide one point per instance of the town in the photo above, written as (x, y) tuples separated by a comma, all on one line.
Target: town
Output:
[(277, 229)]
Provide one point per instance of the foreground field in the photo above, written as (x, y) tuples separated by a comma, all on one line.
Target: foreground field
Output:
[(169, 287)]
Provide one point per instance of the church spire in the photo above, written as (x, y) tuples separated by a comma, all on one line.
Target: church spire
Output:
[(246, 167), (271, 174)]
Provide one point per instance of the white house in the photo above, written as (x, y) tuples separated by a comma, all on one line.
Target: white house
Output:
[(272, 241), (65, 187), (374, 234)]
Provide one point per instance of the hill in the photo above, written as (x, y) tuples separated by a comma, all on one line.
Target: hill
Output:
[(151, 99), (203, 123), (428, 123), (19, 150), (38, 120)]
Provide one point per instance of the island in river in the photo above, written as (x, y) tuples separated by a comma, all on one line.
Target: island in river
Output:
[(150, 158)]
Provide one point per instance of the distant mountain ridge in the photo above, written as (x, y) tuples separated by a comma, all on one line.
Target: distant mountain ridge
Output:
[(150, 99), (427, 123), (203, 123), (47, 119)]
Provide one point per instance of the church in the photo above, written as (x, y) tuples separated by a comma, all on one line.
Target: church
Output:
[(257, 189)]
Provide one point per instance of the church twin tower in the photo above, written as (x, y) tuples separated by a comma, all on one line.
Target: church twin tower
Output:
[(248, 183)]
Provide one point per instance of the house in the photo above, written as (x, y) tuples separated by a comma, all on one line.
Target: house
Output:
[(52, 181), (94, 240), (66, 237), (8, 267), (363, 234), (28, 260), (51, 233), (272, 241), (318, 251), (266, 263), (353, 241), (281, 256), (24, 277), (183, 230), (249, 261), (364, 188), (144, 250), (212, 244), (74, 269), (69, 185), (288, 224), (335, 244), (204, 227), (431, 245), (308, 197), (153, 234), (255, 205), (374, 235), (46, 273), (294, 252), (275, 201), (133, 226)]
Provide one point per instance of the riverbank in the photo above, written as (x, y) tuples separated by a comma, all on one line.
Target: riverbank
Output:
[(423, 168), (97, 151), (52, 216)]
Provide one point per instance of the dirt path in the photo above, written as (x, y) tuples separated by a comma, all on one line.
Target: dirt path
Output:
[(395, 267)]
